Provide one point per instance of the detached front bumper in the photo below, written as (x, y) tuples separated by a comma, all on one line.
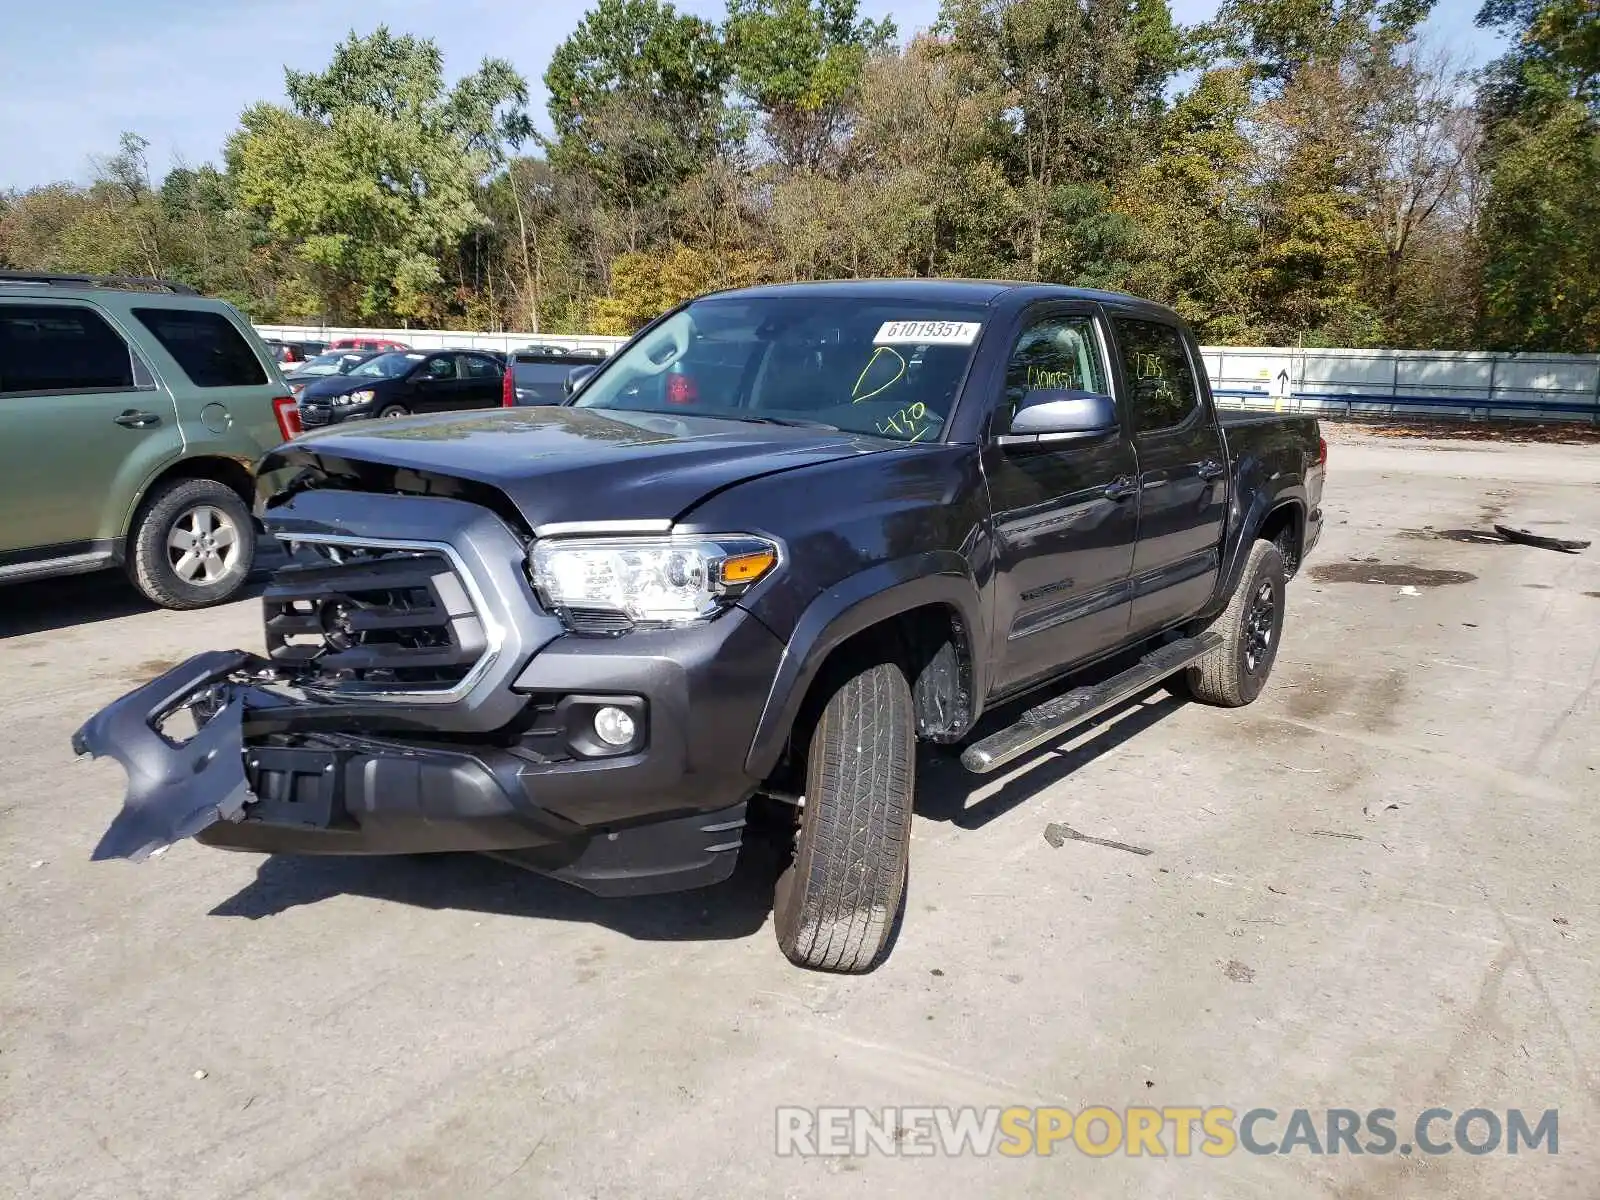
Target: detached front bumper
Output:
[(269, 772)]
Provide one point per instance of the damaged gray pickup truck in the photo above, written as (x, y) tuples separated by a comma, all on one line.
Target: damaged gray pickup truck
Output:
[(776, 540)]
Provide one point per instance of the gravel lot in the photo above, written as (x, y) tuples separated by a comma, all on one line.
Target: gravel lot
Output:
[(1374, 888)]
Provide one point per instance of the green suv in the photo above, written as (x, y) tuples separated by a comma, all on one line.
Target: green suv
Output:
[(132, 414)]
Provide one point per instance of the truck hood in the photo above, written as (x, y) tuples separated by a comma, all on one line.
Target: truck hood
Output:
[(559, 464)]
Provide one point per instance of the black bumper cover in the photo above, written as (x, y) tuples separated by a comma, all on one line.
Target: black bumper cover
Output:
[(235, 786)]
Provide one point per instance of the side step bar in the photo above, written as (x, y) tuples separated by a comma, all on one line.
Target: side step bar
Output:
[(1048, 721)]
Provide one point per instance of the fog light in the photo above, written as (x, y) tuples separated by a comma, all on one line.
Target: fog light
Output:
[(613, 726)]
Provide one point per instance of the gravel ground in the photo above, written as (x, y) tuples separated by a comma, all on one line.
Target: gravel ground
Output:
[(1375, 887)]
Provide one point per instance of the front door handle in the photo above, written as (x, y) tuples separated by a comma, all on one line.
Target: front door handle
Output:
[(134, 418), (1122, 487), (1211, 469)]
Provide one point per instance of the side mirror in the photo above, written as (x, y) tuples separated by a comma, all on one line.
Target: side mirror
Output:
[(576, 377), (1061, 415)]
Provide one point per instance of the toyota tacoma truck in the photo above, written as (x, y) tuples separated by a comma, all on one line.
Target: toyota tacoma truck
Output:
[(779, 538)]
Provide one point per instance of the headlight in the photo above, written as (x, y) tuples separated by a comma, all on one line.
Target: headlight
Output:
[(615, 584), (362, 397)]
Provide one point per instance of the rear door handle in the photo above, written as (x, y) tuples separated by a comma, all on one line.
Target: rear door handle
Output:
[(1122, 487), (134, 418), (1211, 469)]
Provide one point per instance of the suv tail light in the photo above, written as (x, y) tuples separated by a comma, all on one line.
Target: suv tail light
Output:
[(287, 411), (1322, 452), (508, 388)]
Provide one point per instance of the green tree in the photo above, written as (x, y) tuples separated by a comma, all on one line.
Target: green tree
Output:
[(1540, 106), (636, 97), (1083, 81), (372, 172), (1279, 37), (800, 64), (1197, 240)]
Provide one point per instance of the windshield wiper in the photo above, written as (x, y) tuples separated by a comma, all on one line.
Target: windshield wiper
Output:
[(793, 422)]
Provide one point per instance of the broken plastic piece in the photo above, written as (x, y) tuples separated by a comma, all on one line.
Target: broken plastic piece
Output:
[(173, 791), (1566, 545)]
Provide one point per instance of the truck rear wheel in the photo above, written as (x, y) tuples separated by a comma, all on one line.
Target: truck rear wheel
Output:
[(838, 901), (1234, 673)]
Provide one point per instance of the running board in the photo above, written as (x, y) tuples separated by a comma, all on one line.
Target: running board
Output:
[(1048, 721)]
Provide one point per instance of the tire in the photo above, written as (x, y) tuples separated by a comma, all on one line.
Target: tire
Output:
[(160, 559), (394, 410), (1233, 674), (838, 903)]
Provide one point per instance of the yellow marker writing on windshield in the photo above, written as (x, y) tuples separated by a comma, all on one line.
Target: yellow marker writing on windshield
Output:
[(862, 378)]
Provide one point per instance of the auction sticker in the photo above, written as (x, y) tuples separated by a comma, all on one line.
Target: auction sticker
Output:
[(927, 333)]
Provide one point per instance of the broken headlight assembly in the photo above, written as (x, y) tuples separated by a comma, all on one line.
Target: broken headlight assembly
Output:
[(615, 584)]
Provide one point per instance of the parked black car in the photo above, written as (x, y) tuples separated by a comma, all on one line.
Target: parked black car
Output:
[(404, 382), (539, 374), (329, 363), (780, 537)]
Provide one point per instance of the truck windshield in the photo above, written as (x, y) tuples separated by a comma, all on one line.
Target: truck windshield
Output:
[(879, 366)]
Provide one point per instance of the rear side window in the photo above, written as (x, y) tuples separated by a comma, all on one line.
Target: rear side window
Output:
[(210, 350), (1160, 379), (480, 368), (63, 348)]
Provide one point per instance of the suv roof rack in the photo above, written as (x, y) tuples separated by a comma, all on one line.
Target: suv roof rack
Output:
[(124, 282)]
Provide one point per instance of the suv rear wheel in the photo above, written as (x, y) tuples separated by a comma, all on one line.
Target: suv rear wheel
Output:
[(838, 902), (192, 544)]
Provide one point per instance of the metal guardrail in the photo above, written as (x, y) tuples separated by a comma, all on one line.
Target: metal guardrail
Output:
[(1464, 385)]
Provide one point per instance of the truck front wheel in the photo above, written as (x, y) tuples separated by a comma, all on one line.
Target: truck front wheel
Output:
[(838, 901), (1234, 673)]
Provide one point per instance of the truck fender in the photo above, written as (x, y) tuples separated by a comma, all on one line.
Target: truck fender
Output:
[(1262, 505), (856, 603)]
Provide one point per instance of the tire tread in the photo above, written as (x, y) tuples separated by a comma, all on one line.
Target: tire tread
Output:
[(1218, 678), (850, 865)]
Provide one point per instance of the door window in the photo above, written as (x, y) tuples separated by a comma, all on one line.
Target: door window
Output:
[(63, 348), (1160, 380), (210, 350), (1055, 353), (443, 367), (480, 368)]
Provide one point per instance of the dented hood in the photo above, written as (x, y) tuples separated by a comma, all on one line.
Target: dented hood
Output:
[(565, 464)]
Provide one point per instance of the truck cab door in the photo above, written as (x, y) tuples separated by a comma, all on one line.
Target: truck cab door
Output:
[(436, 385), (480, 381), (1065, 510), (1183, 472)]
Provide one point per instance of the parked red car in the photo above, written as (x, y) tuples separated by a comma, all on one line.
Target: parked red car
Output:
[(366, 343)]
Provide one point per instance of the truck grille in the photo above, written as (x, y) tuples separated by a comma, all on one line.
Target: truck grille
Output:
[(373, 621)]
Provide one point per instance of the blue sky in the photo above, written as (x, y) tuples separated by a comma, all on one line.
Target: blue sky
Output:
[(75, 73)]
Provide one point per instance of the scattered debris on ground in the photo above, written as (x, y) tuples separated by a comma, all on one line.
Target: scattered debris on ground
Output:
[(1553, 432), (1058, 835), (1528, 538), (1388, 574)]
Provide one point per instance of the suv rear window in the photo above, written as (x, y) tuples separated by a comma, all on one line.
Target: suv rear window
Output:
[(61, 348), (210, 350)]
